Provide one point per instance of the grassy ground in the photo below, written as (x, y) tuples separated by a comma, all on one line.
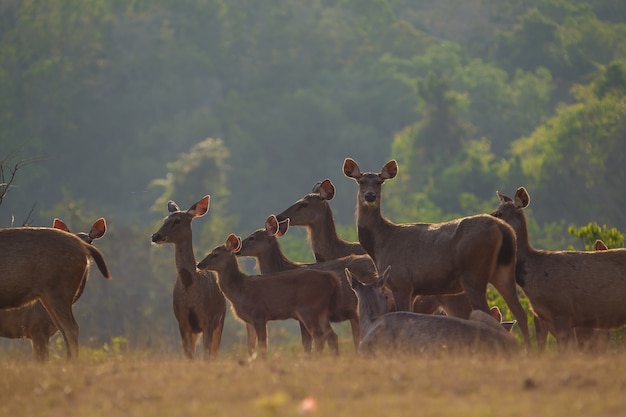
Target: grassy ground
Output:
[(289, 383)]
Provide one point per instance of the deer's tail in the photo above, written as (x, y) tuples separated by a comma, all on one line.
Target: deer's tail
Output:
[(99, 260), (507, 253)]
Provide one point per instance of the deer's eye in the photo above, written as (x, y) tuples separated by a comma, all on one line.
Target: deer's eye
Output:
[(304, 205), (177, 221)]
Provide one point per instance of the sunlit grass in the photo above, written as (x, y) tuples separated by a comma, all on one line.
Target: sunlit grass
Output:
[(120, 381)]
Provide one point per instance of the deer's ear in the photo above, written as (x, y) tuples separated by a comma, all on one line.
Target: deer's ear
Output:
[(503, 198), (382, 281), (283, 227), (200, 207), (600, 245), (352, 280), (172, 206), (351, 168), (271, 225), (98, 229), (233, 243), (327, 190), (522, 198), (60, 224), (496, 313), (390, 170)]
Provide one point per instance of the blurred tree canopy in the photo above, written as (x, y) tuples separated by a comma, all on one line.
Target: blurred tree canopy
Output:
[(120, 106)]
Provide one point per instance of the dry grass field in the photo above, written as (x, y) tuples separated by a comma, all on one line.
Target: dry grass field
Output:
[(290, 383)]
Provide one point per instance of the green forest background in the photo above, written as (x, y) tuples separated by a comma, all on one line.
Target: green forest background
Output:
[(111, 107)]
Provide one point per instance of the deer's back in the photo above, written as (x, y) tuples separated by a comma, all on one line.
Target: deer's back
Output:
[(38, 260), (280, 296), (435, 250), (426, 333), (587, 286)]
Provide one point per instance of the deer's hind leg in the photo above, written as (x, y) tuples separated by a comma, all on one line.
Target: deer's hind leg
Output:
[(60, 312), (504, 282)]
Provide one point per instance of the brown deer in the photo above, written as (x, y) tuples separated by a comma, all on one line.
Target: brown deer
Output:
[(588, 339), (444, 258), (566, 289), (33, 321), (47, 265), (306, 295), (423, 334), (199, 305), (263, 245), (313, 212)]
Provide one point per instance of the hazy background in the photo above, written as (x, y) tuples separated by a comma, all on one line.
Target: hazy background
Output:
[(112, 107)]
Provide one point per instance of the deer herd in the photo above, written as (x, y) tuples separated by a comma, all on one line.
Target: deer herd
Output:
[(418, 288)]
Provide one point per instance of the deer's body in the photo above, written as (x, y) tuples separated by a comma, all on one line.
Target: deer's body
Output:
[(313, 212), (437, 258), (33, 321), (306, 295), (263, 245), (199, 305), (567, 289), (46, 265), (417, 333)]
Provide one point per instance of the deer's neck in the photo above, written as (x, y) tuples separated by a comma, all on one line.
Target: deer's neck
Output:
[(185, 260), (273, 260), (323, 237), (372, 227), (231, 279), (524, 248), (367, 319)]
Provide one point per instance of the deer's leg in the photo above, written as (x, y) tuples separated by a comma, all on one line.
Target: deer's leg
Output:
[(216, 339), (261, 330), (39, 341), (356, 332), (60, 312), (188, 340), (564, 332), (508, 291), (541, 333), (252, 339), (307, 339)]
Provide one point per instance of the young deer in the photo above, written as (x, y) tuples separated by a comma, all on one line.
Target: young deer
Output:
[(199, 305), (263, 245), (313, 212), (33, 321), (566, 289), (306, 295), (47, 265), (445, 258), (415, 333)]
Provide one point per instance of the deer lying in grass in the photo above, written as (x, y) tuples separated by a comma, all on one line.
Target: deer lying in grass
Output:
[(263, 245), (313, 212), (566, 289), (33, 321), (199, 305), (416, 333), (445, 258), (306, 295), (47, 265)]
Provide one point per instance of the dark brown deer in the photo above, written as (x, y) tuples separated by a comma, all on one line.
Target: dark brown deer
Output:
[(263, 245), (566, 289), (33, 321), (423, 334), (306, 295), (313, 212), (199, 305), (444, 258), (46, 265)]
